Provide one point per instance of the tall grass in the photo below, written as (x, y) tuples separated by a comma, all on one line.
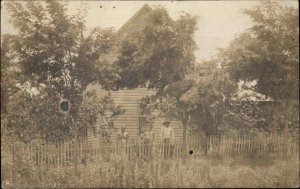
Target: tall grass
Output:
[(198, 172)]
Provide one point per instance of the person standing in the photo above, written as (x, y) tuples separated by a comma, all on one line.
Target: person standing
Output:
[(168, 138), (148, 137), (122, 141)]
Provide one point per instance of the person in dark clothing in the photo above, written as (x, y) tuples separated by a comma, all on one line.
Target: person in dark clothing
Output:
[(122, 141), (148, 137)]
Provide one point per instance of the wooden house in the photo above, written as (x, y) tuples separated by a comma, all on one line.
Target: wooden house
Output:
[(134, 118)]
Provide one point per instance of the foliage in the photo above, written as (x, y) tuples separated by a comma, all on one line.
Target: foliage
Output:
[(9, 74), (93, 106), (38, 113), (268, 52), (212, 90), (159, 54), (55, 61), (217, 105)]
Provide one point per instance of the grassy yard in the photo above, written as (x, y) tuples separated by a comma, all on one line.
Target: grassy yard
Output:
[(198, 172)]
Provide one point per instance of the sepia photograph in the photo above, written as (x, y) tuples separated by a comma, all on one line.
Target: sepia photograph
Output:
[(150, 94)]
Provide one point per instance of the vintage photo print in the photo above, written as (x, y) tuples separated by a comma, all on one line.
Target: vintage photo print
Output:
[(149, 94)]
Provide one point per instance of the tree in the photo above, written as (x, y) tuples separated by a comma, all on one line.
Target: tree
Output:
[(209, 97), (160, 56), (55, 62), (55, 59), (269, 54)]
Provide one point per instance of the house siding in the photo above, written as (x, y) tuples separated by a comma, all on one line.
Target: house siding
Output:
[(128, 99)]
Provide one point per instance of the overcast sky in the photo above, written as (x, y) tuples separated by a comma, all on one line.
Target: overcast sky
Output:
[(219, 21)]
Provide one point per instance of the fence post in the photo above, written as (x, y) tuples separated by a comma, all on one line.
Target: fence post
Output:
[(50, 153), (238, 144), (221, 145), (12, 167), (37, 148), (44, 152), (40, 152), (47, 155), (62, 153), (206, 144)]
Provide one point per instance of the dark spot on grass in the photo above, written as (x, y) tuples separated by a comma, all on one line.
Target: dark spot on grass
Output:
[(64, 105)]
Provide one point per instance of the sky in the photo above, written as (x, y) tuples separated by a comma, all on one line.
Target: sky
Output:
[(218, 21)]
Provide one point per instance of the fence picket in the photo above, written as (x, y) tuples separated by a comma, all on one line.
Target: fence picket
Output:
[(43, 153), (38, 153)]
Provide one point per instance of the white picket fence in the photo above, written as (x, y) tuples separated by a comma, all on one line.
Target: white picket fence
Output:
[(63, 152)]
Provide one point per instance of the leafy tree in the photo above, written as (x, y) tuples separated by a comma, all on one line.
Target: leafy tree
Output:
[(10, 72), (56, 61), (220, 107), (212, 91), (269, 54), (159, 56)]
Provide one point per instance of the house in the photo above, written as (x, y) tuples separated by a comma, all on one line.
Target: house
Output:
[(134, 118)]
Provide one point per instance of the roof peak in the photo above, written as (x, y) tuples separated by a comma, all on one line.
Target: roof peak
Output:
[(144, 8)]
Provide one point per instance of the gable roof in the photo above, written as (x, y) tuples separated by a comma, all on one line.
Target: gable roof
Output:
[(146, 9), (136, 22)]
